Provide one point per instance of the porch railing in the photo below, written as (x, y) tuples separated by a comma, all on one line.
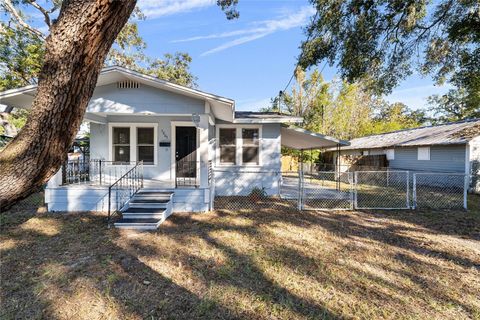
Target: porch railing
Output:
[(95, 171), (122, 190), (187, 173)]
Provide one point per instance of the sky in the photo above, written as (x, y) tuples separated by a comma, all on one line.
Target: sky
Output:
[(251, 58)]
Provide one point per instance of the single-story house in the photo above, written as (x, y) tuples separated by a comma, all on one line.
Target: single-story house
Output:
[(193, 145), (446, 148)]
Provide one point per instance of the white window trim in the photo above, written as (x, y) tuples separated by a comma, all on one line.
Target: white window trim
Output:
[(392, 154), (427, 149), (133, 140), (239, 144)]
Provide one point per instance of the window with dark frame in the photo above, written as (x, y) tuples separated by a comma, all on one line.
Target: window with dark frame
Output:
[(145, 145), (250, 143), (228, 145), (121, 144)]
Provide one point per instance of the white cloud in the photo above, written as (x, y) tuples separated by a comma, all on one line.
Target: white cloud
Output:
[(158, 8), (258, 29)]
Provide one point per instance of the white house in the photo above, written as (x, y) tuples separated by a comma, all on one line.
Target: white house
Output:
[(160, 147)]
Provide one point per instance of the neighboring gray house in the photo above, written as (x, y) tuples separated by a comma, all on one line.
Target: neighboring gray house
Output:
[(193, 145), (447, 148)]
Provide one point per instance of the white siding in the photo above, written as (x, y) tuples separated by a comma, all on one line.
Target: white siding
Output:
[(109, 98)]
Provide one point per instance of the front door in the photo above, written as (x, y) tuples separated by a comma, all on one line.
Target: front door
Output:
[(186, 155)]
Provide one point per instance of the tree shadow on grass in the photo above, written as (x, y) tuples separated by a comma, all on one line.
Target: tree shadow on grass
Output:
[(72, 267), (80, 273), (389, 229)]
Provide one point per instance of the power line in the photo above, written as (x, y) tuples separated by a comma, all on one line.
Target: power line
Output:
[(296, 65)]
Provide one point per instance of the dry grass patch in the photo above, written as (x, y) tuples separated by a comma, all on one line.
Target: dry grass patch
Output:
[(249, 264)]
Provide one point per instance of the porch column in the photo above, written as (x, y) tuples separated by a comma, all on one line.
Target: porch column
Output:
[(203, 149)]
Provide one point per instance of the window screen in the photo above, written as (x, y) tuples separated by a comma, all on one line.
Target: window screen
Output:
[(121, 144), (250, 143), (145, 145), (228, 146)]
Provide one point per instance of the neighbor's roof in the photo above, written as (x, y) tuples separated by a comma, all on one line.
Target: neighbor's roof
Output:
[(301, 139), (450, 133), (264, 117)]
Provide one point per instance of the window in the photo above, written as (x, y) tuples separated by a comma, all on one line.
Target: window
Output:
[(250, 146), (228, 145), (365, 153), (145, 145), (131, 142), (390, 154), (423, 153), (121, 144)]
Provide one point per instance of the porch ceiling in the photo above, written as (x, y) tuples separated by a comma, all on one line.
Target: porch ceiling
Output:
[(301, 139)]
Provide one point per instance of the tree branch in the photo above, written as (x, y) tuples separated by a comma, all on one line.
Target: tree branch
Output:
[(10, 8), (42, 10)]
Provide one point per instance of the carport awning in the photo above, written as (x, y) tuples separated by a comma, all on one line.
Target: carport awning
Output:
[(302, 139)]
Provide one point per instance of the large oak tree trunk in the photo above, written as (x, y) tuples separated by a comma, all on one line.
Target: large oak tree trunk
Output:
[(75, 51)]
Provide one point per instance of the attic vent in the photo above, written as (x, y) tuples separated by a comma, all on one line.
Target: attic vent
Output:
[(127, 85)]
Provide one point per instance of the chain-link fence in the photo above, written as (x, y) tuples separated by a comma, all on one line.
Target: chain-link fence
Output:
[(440, 190), (327, 190), (237, 190), (31, 204), (339, 190), (292, 190), (382, 190)]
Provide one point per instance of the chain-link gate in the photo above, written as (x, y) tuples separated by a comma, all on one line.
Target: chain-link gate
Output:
[(440, 190), (382, 190), (327, 190)]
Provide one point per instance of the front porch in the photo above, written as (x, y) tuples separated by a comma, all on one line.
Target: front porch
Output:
[(98, 185)]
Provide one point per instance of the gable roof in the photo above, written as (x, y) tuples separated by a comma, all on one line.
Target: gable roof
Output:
[(107, 75), (222, 108), (450, 133)]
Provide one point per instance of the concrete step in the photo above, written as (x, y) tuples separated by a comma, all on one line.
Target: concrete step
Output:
[(147, 210), (138, 223), (145, 213), (149, 203), (155, 191), (163, 191)]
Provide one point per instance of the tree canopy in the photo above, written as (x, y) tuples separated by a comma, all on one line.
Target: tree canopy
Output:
[(22, 51), (344, 110), (383, 42)]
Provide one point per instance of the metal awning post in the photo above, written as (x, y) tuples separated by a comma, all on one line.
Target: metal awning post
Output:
[(338, 167), (300, 182)]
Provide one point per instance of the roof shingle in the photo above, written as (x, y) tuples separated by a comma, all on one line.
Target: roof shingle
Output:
[(450, 133)]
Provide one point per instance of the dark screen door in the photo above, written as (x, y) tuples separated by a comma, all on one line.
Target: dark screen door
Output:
[(186, 152)]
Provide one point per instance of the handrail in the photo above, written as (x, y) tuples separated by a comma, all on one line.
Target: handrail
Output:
[(134, 182)]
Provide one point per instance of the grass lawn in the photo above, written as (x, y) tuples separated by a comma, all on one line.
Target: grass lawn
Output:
[(246, 264)]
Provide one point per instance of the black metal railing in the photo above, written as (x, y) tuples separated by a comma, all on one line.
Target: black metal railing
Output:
[(186, 173), (95, 171), (122, 190)]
